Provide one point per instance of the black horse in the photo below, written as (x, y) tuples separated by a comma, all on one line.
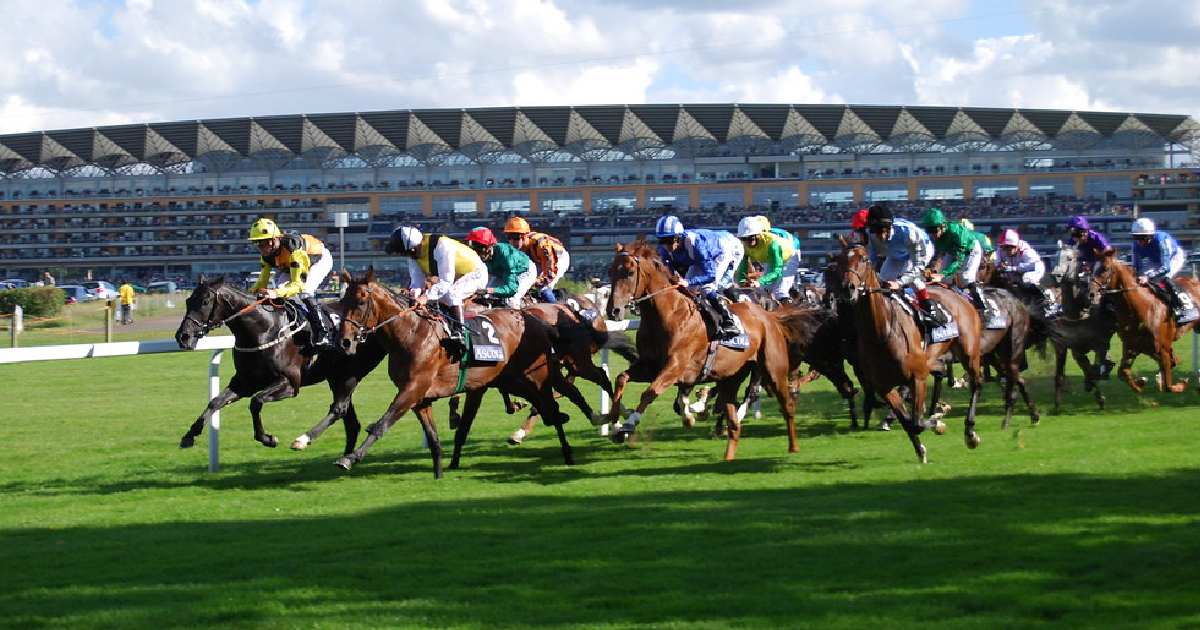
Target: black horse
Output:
[(268, 363)]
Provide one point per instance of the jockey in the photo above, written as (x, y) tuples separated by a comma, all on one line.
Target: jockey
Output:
[(510, 272), (960, 251), (1157, 257), (705, 259), (1018, 257), (1091, 244), (545, 251), (774, 250), (858, 227), (459, 271), (903, 249), (307, 264)]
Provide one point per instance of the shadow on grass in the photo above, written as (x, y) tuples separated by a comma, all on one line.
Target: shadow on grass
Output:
[(985, 551)]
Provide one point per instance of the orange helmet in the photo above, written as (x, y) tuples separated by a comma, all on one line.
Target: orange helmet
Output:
[(517, 225)]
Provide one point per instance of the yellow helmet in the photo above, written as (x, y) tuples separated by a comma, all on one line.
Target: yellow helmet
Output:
[(264, 229), (517, 225)]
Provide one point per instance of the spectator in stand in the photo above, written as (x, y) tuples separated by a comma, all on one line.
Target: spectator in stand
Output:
[(47, 279)]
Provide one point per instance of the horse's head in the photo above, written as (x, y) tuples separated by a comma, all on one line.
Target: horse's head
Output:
[(628, 275), (848, 271), (1110, 274), (360, 312), (205, 310), (1066, 265)]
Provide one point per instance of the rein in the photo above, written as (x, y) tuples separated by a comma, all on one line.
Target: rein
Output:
[(209, 326), (363, 331)]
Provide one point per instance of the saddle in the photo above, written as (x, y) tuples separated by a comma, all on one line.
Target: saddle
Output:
[(1183, 308), (712, 323), (297, 314)]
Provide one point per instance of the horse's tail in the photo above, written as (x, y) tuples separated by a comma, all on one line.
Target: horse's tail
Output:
[(617, 341), (806, 329), (573, 331)]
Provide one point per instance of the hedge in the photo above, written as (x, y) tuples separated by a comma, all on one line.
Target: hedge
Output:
[(36, 301)]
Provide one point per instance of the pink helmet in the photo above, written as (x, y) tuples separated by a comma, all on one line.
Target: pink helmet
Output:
[(1010, 237)]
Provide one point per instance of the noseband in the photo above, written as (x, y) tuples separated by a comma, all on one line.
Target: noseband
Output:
[(210, 325), (362, 331)]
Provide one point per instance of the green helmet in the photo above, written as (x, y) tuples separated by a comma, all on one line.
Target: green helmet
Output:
[(933, 218)]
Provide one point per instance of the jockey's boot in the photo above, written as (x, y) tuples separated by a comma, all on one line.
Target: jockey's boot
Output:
[(318, 337), (976, 294), (458, 329), (932, 315), (726, 326)]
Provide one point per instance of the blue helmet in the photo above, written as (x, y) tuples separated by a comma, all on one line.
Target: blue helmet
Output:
[(1078, 223), (668, 226)]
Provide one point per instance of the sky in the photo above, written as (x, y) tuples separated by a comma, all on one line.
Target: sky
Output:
[(88, 63)]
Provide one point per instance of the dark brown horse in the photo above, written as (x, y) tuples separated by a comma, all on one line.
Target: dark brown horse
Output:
[(424, 369), (673, 345), (267, 360), (892, 351), (1144, 323)]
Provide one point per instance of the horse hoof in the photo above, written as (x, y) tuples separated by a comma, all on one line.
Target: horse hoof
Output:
[(187, 442), (939, 428), (269, 441), (620, 435), (517, 437), (922, 454), (944, 407), (344, 463), (973, 440), (1034, 419), (885, 426), (301, 443)]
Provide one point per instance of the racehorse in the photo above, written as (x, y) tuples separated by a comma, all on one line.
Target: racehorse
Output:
[(1086, 325), (892, 350), (1144, 323), (674, 349), (267, 360), (424, 369)]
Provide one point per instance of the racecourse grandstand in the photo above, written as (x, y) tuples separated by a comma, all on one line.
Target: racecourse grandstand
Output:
[(175, 199)]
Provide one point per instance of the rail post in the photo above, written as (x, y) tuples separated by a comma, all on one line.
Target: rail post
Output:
[(605, 403), (1195, 341), (214, 421), (18, 322), (108, 321)]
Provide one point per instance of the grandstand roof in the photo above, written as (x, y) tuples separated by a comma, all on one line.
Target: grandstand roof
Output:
[(588, 132)]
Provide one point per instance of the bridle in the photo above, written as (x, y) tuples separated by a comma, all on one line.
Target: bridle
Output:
[(362, 331), (209, 325)]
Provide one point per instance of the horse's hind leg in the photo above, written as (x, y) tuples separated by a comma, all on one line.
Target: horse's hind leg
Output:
[(1034, 416), (1010, 390), (470, 409), (523, 431), (911, 428), (667, 378), (278, 391), (223, 399), (1167, 361), (339, 408), (351, 425), (402, 402), (543, 401), (425, 414)]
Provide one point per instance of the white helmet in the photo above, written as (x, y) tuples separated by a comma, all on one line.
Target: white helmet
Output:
[(750, 226), (668, 226), (1010, 237), (404, 239), (1143, 227)]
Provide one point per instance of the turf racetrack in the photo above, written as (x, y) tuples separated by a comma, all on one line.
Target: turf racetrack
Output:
[(1088, 520)]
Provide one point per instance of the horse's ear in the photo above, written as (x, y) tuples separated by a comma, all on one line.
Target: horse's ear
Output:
[(201, 281), (620, 247), (842, 241), (346, 277), (1110, 252), (371, 274)]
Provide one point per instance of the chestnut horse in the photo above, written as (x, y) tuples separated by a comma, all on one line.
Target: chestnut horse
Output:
[(424, 370), (891, 349), (267, 360), (1144, 323), (673, 345)]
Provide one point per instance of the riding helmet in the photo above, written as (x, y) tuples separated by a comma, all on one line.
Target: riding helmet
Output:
[(517, 225), (933, 218), (264, 229), (1009, 237), (859, 220), (482, 236), (668, 226), (1142, 227), (750, 226), (879, 217), (403, 239), (1078, 223)]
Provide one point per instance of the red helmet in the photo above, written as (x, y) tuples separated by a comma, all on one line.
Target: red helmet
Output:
[(483, 236), (859, 220)]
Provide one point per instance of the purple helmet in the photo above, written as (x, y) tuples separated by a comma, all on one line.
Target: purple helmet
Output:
[(1078, 223)]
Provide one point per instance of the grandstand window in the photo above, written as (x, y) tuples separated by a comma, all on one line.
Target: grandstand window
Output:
[(458, 204), (667, 198), (939, 190), (400, 205), (616, 200), (821, 195), (886, 192), (1102, 187), (504, 203), (985, 189), (1059, 187), (776, 197), (561, 202), (727, 197)]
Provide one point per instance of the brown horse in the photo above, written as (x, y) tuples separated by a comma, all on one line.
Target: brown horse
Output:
[(424, 370), (892, 350), (673, 345), (1144, 324)]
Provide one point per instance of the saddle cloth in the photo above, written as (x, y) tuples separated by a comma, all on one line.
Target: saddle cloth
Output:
[(741, 340), (1183, 308), (994, 317), (297, 313), (484, 343), (933, 334), (711, 320)]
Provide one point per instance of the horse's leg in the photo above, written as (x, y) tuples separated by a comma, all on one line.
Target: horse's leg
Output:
[(778, 381), (1060, 376), (425, 415), (523, 431), (339, 408), (351, 425), (404, 400), (453, 417), (614, 414), (975, 380), (585, 369), (936, 397), (278, 391), (1012, 373), (1034, 416), (223, 399), (727, 394), (912, 429), (542, 397), (665, 379), (1166, 363), (470, 408), (1128, 354)]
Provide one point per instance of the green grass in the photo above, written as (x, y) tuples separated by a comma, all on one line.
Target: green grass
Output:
[(1088, 520)]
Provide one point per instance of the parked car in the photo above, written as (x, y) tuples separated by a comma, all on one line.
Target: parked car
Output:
[(16, 283), (162, 287), (76, 293), (101, 289)]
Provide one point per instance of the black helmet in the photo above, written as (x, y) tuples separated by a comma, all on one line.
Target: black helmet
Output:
[(879, 217)]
